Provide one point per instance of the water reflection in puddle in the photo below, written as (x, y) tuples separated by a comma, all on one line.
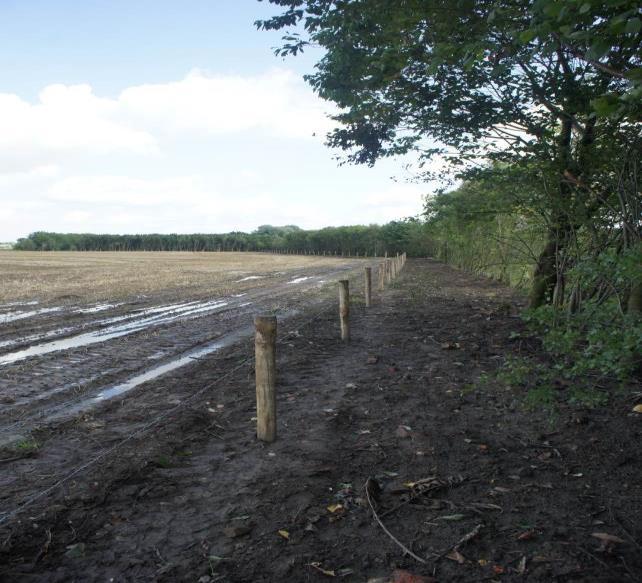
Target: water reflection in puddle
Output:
[(135, 323), (153, 373)]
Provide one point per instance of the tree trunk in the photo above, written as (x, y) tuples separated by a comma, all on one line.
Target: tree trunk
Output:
[(545, 276), (634, 305)]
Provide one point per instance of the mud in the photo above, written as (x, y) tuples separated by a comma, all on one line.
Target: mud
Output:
[(114, 494)]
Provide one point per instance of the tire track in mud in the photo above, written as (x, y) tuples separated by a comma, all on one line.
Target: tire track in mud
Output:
[(39, 390), (72, 455)]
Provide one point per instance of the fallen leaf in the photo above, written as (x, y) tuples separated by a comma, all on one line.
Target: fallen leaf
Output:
[(326, 572), (638, 408), (482, 562), (521, 566), (608, 537), (608, 541), (541, 559), (76, 551), (456, 556), (528, 535), (334, 508), (285, 534), (403, 432), (452, 517), (351, 386), (498, 569), (450, 345)]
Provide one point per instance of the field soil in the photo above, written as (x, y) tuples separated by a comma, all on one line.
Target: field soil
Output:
[(398, 457)]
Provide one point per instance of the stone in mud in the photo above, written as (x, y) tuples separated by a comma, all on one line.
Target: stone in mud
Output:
[(237, 531)]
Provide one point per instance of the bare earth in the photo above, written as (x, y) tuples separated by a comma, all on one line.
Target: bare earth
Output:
[(90, 277), (165, 480)]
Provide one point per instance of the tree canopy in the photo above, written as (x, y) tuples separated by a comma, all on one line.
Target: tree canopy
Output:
[(478, 77), (552, 87)]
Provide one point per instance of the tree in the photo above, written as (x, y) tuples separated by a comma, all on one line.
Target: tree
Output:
[(541, 84)]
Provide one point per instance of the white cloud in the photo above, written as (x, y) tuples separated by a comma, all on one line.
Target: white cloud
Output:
[(206, 153), (66, 120), (115, 190), (278, 102), (77, 216), (70, 120)]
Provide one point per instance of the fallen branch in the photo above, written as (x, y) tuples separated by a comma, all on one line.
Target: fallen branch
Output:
[(463, 540), (425, 487), (381, 524)]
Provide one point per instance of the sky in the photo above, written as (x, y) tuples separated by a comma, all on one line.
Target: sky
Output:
[(144, 116)]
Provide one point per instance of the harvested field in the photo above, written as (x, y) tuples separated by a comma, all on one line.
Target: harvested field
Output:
[(105, 276), (164, 480)]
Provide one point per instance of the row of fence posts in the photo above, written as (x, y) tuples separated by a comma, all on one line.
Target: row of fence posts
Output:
[(342, 253), (265, 343)]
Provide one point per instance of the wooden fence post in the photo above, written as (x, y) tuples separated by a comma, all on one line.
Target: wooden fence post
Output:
[(344, 309), (265, 367), (368, 286), (382, 275)]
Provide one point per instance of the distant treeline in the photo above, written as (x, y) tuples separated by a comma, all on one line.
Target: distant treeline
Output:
[(396, 236)]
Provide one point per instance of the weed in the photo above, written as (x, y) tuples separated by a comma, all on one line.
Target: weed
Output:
[(27, 446), (588, 397), (540, 398), (162, 461)]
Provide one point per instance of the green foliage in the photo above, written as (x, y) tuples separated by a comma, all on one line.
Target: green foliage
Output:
[(548, 91), (546, 385), (397, 236), (540, 397), (485, 226), (27, 446), (466, 74), (603, 342)]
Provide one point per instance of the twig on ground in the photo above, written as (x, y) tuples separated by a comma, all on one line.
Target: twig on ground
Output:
[(392, 537), (463, 540)]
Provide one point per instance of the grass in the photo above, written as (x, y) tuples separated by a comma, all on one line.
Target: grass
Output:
[(25, 447), (106, 276)]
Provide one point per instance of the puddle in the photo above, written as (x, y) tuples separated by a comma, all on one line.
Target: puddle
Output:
[(135, 323), (14, 304), (35, 337), (155, 372), (299, 279), (97, 308), (249, 277), (13, 316)]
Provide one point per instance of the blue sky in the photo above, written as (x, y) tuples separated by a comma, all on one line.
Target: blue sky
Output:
[(159, 116)]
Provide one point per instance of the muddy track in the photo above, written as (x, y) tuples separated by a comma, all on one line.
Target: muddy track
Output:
[(196, 498), (72, 357)]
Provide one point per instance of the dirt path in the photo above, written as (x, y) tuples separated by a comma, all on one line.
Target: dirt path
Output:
[(196, 498)]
